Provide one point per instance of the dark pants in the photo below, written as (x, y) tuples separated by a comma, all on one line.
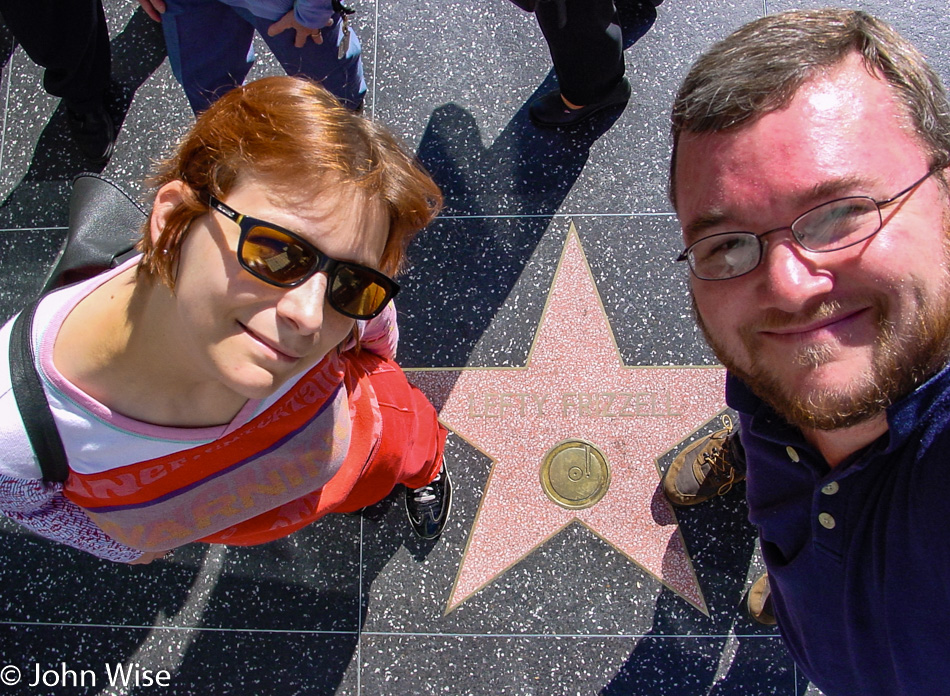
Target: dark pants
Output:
[(68, 38), (586, 46)]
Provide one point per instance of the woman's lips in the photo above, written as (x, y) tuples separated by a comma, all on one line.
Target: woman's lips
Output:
[(278, 353)]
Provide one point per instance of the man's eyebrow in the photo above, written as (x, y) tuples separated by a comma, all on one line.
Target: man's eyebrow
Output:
[(822, 192), (841, 187), (707, 221)]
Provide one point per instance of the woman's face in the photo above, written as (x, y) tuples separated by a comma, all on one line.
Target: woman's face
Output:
[(251, 336)]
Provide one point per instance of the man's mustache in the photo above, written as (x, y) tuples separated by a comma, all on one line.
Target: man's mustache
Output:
[(777, 319)]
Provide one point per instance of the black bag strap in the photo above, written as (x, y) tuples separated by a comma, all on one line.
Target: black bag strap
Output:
[(103, 220), (31, 400)]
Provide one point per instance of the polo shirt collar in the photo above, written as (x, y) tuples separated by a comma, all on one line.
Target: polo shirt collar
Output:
[(903, 418)]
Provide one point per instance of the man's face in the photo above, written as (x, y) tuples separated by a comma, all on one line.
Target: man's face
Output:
[(244, 334), (828, 339)]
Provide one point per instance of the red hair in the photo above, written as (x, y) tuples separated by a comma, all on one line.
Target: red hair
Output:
[(290, 130)]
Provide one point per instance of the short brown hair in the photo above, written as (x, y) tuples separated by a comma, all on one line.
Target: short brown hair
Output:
[(289, 129), (759, 68)]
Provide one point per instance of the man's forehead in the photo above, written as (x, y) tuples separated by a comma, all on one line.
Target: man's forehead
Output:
[(830, 97), (843, 133)]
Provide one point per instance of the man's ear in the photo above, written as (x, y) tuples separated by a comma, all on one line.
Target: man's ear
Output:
[(167, 199)]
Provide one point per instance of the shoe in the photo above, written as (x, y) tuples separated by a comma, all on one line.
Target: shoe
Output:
[(759, 602), (93, 132), (704, 469), (428, 507), (550, 111)]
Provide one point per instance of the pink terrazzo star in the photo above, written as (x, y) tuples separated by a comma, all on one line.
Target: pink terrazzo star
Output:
[(575, 387)]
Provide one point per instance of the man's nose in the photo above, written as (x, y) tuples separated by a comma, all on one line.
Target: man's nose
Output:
[(793, 276)]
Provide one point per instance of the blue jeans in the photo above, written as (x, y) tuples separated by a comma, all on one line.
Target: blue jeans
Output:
[(210, 48)]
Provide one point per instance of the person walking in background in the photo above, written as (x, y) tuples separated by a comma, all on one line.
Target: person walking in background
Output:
[(210, 44), (71, 41), (586, 45)]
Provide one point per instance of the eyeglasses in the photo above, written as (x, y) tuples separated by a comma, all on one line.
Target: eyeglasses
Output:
[(831, 226), (279, 257)]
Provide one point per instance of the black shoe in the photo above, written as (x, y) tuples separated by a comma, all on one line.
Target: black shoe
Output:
[(428, 507), (93, 132), (550, 111)]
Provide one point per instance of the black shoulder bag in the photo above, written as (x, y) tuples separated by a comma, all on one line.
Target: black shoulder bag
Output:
[(104, 223)]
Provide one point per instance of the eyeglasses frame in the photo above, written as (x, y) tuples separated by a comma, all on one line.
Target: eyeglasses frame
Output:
[(684, 256), (324, 263)]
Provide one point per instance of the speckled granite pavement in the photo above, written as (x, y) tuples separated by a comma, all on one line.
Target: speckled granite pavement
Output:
[(543, 314)]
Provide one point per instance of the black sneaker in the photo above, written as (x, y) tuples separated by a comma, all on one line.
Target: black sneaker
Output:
[(93, 132), (428, 507), (704, 469)]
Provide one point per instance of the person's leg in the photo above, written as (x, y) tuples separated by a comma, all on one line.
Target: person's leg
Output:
[(412, 432), (409, 450), (586, 46), (71, 41), (210, 48), (342, 76)]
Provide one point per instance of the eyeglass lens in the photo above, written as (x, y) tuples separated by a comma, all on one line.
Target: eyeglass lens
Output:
[(834, 225)]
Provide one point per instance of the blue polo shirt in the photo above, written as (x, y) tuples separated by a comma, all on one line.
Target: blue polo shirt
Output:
[(858, 556)]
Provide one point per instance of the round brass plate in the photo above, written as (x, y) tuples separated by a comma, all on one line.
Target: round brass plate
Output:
[(575, 474)]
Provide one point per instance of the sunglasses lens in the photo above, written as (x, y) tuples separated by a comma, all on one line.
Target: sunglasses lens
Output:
[(273, 255), (358, 291), (281, 259)]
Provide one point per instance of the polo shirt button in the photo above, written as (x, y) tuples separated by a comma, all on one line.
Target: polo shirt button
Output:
[(826, 520), (830, 488), (792, 454)]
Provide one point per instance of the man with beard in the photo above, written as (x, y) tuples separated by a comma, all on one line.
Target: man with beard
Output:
[(809, 174)]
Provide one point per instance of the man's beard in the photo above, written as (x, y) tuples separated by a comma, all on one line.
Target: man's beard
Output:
[(902, 359)]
